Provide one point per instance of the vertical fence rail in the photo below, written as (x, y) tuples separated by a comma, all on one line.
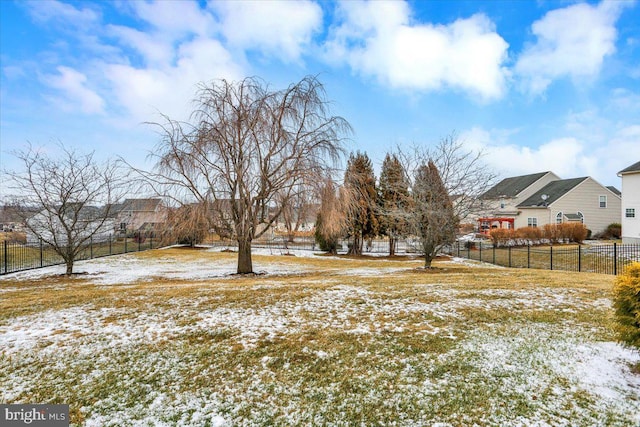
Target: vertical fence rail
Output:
[(16, 256), (598, 258)]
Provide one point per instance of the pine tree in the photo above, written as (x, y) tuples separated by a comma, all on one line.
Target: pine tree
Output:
[(360, 188), (434, 220), (394, 202)]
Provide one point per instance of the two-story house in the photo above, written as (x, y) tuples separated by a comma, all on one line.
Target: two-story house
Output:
[(499, 205), (577, 199), (630, 203), (136, 215)]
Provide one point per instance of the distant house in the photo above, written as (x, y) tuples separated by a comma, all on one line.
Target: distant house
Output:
[(45, 225), (136, 215), (630, 203), (571, 200), (10, 219), (499, 205)]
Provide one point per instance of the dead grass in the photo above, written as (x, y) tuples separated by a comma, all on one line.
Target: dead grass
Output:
[(339, 341)]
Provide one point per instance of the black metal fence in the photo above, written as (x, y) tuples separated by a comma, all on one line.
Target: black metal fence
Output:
[(16, 256), (598, 258)]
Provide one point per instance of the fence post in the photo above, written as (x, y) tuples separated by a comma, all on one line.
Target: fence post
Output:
[(494, 254), (91, 247), (151, 241), (139, 241), (110, 239), (125, 241), (615, 259), (579, 258), (41, 255), (6, 261), (529, 256), (480, 249), (509, 256), (469, 250), (551, 256)]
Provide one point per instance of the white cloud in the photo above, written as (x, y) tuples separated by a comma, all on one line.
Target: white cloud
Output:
[(169, 89), (571, 42), (568, 157), (175, 17), (153, 48), (564, 156), (379, 39), (76, 95), (46, 11), (279, 28)]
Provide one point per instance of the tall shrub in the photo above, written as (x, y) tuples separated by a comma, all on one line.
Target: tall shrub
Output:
[(626, 301), (551, 233), (501, 236), (577, 232)]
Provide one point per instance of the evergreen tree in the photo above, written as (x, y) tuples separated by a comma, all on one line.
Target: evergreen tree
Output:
[(360, 187), (434, 220), (394, 201)]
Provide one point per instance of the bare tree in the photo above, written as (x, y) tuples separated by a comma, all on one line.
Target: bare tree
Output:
[(251, 146), (434, 220), (464, 178), (189, 224), (464, 173), (68, 200), (301, 205)]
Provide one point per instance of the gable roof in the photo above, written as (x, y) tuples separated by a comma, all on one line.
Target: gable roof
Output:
[(614, 190), (554, 190), (511, 187), (140, 205), (631, 169)]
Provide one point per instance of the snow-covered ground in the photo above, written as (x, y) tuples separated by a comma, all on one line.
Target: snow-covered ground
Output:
[(549, 365)]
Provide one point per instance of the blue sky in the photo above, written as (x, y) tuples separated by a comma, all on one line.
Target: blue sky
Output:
[(537, 85)]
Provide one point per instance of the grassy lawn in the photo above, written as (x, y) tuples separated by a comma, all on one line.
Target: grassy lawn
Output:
[(172, 337)]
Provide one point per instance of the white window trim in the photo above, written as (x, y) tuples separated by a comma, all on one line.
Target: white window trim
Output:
[(532, 222), (600, 202), (559, 216)]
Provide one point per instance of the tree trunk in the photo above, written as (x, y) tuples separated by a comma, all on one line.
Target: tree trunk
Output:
[(392, 246), (429, 253), (427, 260), (356, 247), (245, 265), (69, 264)]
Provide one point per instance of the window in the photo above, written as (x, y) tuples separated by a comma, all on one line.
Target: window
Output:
[(502, 204), (559, 218), (603, 201), (630, 213), (532, 222), (123, 226)]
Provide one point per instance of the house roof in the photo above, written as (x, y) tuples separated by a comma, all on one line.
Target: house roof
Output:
[(10, 214), (140, 205), (631, 169), (511, 187), (554, 190), (614, 190), (573, 216)]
